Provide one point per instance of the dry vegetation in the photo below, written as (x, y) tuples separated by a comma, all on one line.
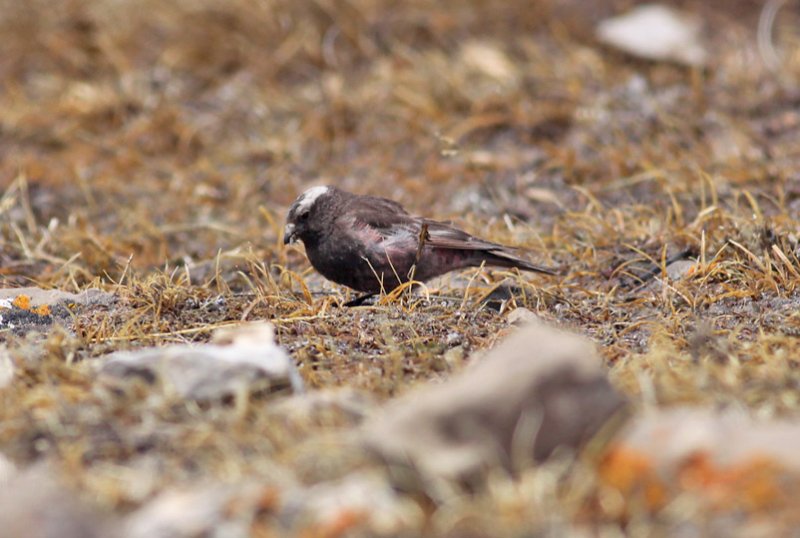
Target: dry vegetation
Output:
[(151, 149)]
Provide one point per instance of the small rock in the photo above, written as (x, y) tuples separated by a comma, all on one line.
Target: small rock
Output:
[(677, 270), (655, 32), (539, 390), (680, 269), (543, 196), (453, 338), (454, 356), (489, 61), (241, 360), (521, 316)]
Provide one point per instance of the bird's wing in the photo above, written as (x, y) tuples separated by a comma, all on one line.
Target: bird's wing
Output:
[(377, 221), (370, 206), (385, 227), (441, 235), (385, 221), (380, 220)]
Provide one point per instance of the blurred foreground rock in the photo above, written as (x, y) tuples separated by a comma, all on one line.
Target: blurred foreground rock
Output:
[(655, 32), (727, 461), (210, 510), (359, 500), (540, 390), (363, 500), (34, 505), (241, 360), (326, 406), (6, 367), (7, 471)]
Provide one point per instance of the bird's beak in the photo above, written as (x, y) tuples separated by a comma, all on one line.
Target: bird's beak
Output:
[(289, 234)]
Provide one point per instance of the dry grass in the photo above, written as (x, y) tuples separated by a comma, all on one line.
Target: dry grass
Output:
[(151, 149)]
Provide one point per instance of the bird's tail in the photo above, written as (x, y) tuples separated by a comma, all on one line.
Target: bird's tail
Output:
[(505, 258)]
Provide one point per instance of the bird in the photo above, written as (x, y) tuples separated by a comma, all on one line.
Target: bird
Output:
[(373, 245)]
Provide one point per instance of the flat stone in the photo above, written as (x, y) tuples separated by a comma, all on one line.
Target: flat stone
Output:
[(39, 297), (240, 360), (24, 310)]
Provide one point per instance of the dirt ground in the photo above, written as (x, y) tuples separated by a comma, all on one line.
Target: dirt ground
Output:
[(151, 149)]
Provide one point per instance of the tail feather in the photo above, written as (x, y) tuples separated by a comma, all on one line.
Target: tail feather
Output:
[(504, 258)]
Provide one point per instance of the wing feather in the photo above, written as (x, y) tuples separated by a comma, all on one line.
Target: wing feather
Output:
[(441, 235), (375, 216)]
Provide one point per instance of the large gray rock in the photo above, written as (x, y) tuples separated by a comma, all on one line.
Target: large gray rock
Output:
[(240, 360), (539, 390)]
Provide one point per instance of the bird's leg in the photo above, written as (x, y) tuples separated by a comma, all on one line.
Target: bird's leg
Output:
[(358, 301)]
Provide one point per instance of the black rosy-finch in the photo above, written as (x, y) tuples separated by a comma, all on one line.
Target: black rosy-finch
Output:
[(370, 244)]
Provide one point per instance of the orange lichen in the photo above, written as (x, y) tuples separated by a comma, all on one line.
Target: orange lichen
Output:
[(630, 471), (338, 526), (752, 484), (269, 499), (22, 301)]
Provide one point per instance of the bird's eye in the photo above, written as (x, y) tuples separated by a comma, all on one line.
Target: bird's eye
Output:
[(303, 216)]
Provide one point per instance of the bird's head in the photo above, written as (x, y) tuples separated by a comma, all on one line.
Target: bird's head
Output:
[(305, 220)]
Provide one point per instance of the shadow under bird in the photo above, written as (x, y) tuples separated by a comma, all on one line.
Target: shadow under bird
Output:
[(370, 244)]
